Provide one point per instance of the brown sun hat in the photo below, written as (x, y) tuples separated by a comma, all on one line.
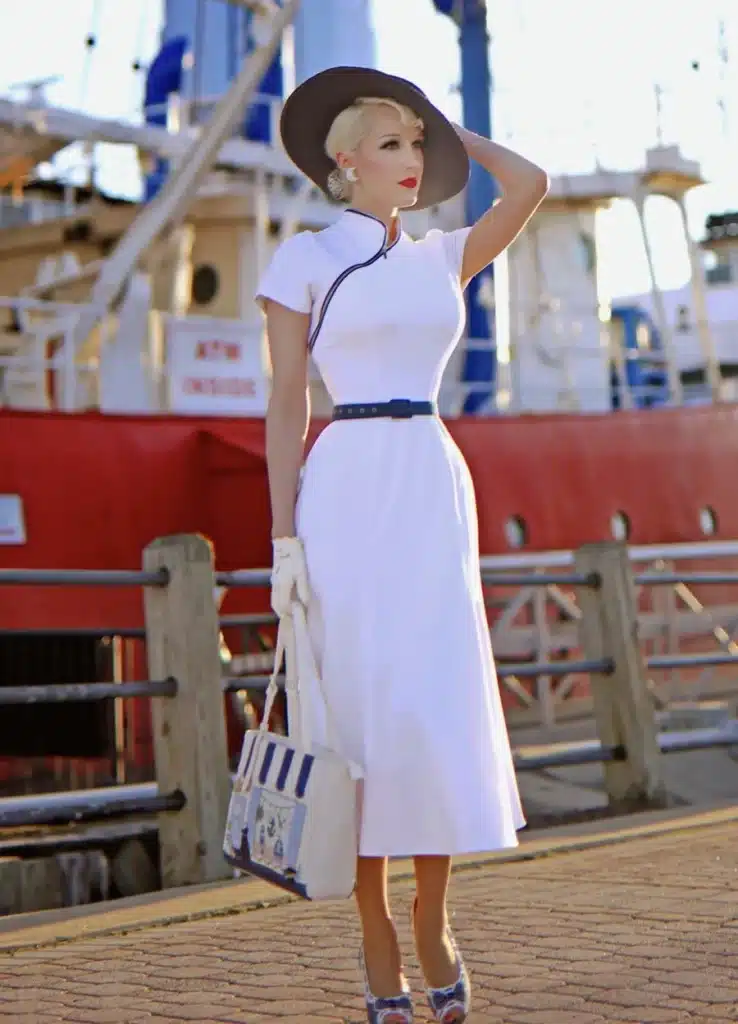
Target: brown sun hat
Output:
[(311, 108)]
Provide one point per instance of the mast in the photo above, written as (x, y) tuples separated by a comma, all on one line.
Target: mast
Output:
[(333, 32), (480, 360)]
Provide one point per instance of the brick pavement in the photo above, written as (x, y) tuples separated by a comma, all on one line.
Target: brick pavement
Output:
[(639, 932)]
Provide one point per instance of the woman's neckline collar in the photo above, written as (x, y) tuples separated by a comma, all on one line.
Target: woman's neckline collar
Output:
[(376, 220)]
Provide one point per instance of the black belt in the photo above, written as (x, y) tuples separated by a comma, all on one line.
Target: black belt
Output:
[(397, 409)]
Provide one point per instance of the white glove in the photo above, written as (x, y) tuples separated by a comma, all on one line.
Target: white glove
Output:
[(289, 575)]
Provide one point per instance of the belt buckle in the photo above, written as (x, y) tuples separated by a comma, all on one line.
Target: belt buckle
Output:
[(400, 408)]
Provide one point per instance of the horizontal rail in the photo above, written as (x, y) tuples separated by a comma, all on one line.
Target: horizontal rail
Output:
[(691, 660), (54, 693), (58, 693), (494, 565), (244, 578), (76, 693), (144, 798), (136, 632), (531, 670), (681, 742), (90, 805), (523, 670), (83, 578), (239, 684), (87, 805), (637, 553), (97, 632), (262, 578), (541, 579), (261, 619), (559, 755), (562, 755), (490, 564), (653, 579), (38, 842)]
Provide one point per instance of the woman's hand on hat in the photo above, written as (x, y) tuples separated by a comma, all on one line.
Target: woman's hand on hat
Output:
[(469, 139), (289, 575)]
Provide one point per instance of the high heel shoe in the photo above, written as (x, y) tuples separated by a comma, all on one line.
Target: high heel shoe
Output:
[(450, 1005), (389, 1009)]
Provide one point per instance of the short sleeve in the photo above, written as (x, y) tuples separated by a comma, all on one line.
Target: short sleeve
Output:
[(287, 278), (452, 245)]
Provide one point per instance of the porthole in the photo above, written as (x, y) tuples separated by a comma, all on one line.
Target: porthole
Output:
[(620, 526), (708, 521), (205, 284), (516, 532)]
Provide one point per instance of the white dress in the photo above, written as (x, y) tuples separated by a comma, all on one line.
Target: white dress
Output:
[(387, 515)]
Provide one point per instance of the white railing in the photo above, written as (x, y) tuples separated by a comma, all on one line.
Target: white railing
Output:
[(688, 351), (33, 210), (542, 393), (185, 114), (39, 368)]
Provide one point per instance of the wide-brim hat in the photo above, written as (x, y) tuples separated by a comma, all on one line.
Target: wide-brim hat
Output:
[(311, 108)]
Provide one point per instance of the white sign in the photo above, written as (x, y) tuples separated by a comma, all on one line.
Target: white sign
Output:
[(12, 520), (214, 367)]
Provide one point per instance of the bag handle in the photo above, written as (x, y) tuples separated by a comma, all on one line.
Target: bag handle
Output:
[(293, 640), (273, 688), (293, 637)]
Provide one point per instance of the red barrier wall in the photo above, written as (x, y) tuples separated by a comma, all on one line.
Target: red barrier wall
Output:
[(97, 489)]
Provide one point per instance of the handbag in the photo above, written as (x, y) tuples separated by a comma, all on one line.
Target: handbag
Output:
[(293, 817)]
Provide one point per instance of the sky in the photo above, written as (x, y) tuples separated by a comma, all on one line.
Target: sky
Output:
[(575, 84)]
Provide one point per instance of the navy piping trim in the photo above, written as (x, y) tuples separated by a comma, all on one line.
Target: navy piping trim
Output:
[(349, 270)]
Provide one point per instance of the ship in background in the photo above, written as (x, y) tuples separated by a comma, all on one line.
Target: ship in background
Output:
[(133, 377), (544, 334)]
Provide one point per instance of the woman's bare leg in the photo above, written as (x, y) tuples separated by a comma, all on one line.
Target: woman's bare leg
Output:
[(435, 953), (381, 948)]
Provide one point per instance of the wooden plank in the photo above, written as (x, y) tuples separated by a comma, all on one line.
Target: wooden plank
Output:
[(189, 729), (623, 708)]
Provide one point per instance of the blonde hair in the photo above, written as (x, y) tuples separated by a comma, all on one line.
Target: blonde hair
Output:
[(350, 126)]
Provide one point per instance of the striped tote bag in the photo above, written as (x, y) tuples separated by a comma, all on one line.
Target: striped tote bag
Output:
[(293, 817)]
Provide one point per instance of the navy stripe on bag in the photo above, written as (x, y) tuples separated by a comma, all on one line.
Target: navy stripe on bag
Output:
[(271, 757)]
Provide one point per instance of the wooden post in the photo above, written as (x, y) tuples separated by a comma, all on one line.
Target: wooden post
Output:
[(622, 705), (189, 730)]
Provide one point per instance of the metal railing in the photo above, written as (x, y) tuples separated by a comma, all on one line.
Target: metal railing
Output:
[(189, 731), (183, 645), (94, 805), (676, 613), (111, 801), (498, 571)]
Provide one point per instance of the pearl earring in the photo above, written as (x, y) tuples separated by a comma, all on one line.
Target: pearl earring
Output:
[(351, 175)]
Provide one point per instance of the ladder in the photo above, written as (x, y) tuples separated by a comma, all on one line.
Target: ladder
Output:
[(168, 208)]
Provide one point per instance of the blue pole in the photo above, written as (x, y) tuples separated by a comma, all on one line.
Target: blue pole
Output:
[(480, 364)]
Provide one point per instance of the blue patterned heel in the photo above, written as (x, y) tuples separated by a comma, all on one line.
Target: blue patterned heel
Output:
[(450, 1005), (389, 1010)]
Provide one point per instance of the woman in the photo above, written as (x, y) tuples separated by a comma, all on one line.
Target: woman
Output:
[(381, 541)]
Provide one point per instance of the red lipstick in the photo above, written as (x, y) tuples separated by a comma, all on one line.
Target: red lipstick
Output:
[(409, 182)]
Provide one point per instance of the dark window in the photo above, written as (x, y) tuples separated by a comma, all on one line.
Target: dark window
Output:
[(205, 284)]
